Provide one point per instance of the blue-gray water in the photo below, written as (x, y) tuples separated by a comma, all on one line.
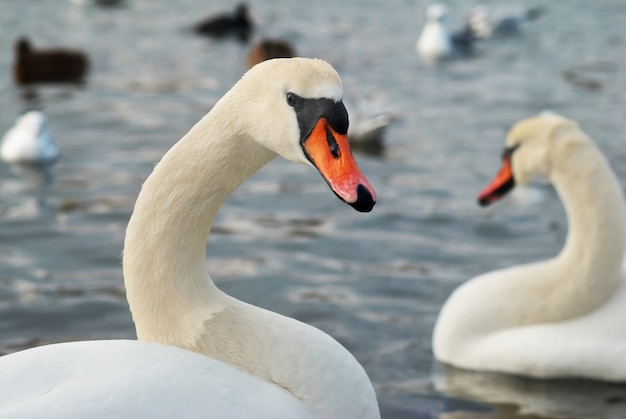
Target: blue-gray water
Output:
[(283, 241)]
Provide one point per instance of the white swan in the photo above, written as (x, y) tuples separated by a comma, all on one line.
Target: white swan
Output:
[(253, 362), (563, 317), (28, 141)]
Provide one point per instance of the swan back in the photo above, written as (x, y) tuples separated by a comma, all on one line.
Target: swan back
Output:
[(130, 379)]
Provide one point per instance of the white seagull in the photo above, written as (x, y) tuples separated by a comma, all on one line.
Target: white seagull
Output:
[(28, 141)]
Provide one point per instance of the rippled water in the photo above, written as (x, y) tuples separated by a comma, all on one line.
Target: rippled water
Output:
[(283, 241)]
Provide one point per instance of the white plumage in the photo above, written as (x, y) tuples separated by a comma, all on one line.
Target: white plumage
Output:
[(28, 140), (232, 359), (563, 317)]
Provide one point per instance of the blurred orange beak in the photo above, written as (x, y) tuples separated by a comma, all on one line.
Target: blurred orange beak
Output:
[(330, 153), (500, 185)]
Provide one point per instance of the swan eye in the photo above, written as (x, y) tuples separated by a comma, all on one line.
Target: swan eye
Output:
[(291, 99)]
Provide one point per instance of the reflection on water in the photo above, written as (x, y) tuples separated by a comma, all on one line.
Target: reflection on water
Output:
[(35, 181), (498, 412), (528, 397)]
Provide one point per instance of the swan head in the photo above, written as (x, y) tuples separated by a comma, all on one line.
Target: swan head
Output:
[(306, 95), (437, 12), (532, 145)]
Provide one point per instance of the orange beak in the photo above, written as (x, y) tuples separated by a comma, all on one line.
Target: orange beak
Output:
[(330, 153), (500, 185)]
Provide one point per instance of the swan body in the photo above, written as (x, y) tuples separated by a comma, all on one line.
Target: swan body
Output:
[(296, 113), (562, 317), (28, 141), (187, 384)]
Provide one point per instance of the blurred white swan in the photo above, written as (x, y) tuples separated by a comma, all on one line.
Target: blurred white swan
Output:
[(563, 317)]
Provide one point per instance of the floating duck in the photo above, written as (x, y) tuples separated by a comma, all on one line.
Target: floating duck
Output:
[(48, 65), (269, 48), (239, 24)]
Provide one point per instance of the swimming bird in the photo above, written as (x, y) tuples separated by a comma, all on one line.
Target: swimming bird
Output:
[(486, 23), (239, 24), (562, 317), (28, 140), (368, 133), (268, 48), (202, 353), (369, 120), (436, 42), (48, 65)]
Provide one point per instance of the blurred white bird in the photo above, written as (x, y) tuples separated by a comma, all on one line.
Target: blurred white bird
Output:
[(28, 141), (436, 42), (485, 22), (369, 119), (369, 131)]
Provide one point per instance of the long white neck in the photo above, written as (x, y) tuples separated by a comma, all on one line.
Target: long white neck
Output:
[(590, 262), (168, 289), (173, 300), (587, 270)]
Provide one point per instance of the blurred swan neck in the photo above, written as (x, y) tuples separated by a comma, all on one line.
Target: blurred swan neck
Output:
[(594, 204)]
